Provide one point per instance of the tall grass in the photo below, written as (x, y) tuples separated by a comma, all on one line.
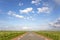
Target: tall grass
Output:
[(7, 35), (55, 35)]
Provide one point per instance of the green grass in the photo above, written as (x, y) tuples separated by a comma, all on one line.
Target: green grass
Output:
[(55, 35), (8, 35)]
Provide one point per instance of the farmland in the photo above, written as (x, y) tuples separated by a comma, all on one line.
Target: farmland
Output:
[(8, 35), (54, 35)]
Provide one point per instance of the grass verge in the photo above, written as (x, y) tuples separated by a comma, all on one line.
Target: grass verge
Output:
[(8, 35), (55, 35)]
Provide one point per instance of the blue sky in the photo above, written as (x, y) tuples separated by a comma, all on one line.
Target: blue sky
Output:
[(29, 14)]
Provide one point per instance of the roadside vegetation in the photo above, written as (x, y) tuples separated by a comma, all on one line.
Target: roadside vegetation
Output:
[(8, 35), (55, 35)]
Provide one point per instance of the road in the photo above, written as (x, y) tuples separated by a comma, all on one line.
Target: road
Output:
[(31, 36)]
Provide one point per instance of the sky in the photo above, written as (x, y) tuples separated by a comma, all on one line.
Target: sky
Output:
[(29, 14)]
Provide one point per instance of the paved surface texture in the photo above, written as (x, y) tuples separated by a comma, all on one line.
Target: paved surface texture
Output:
[(31, 36)]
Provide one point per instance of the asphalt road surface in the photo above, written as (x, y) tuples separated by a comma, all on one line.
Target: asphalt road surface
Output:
[(31, 36)]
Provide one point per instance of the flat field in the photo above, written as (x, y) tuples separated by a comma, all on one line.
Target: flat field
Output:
[(55, 35), (8, 35)]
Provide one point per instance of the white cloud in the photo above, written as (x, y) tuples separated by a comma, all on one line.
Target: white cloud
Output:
[(57, 1), (27, 10), (18, 16), (15, 15), (43, 10), (20, 4), (36, 2)]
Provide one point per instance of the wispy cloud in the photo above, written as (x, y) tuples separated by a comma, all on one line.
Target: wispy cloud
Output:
[(27, 10), (15, 15), (18, 16), (11, 13), (20, 4), (36, 2), (45, 4), (43, 10), (30, 18)]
